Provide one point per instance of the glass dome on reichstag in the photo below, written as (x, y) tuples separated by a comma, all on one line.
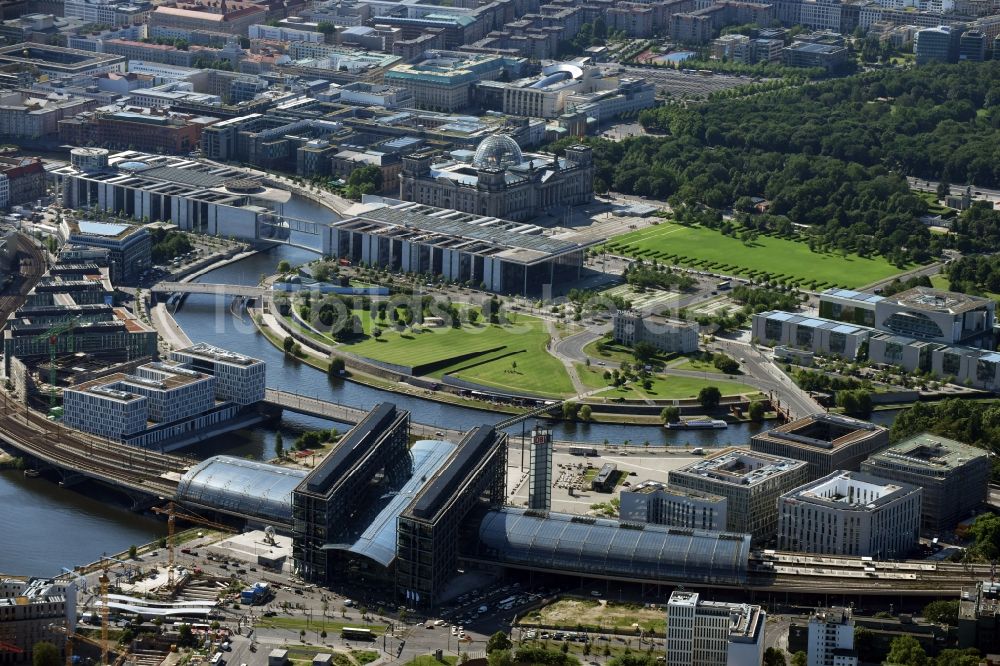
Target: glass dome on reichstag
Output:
[(497, 152)]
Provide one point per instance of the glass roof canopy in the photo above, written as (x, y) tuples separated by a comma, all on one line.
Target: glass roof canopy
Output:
[(378, 541), (240, 486), (603, 547)]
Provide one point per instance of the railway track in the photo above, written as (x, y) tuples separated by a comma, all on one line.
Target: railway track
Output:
[(31, 266), (804, 572), (117, 464)]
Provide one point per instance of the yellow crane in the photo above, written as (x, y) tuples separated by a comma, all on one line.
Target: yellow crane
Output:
[(172, 515), (72, 637)]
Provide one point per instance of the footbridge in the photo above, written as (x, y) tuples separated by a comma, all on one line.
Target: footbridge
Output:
[(351, 415), (547, 408), (246, 291)]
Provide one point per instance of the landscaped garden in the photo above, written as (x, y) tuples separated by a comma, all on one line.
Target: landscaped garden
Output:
[(766, 257)]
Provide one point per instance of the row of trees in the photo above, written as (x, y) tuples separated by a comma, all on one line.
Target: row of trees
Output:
[(974, 423), (657, 276), (831, 156)]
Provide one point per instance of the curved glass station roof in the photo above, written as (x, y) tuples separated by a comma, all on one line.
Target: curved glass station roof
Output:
[(607, 547), (245, 487), (378, 541)]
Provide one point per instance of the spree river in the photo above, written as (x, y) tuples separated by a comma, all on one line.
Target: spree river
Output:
[(47, 527)]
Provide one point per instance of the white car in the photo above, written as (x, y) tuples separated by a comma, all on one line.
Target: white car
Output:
[(454, 631)]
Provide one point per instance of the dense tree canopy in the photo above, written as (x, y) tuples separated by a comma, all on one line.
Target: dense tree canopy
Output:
[(975, 423), (831, 156)]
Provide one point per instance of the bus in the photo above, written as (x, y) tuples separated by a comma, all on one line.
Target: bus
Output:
[(582, 451), (725, 284), (356, 634)]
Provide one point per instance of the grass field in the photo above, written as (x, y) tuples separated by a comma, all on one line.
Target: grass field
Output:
[(572, 613), (695, 365), (669, 387), (933, 207), (620, 353), (429, 660), (940, 281), (330, 625), (592, 376), (780, 258), (524, 342)]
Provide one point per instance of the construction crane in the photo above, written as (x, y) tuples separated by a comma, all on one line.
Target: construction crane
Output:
[(72, 637), (172, 515), (52, 335)]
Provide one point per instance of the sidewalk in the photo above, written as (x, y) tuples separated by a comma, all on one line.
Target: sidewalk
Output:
[(167, 327)]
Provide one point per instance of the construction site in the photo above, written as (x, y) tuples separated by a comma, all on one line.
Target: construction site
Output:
[(68, 330), (140, 607)]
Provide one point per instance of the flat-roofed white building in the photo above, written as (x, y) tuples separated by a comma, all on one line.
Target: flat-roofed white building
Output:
[(831, 638), (160, 402), (30, 608), (713, 633), (197, 196), (164, 405), (498, 254), (851, 513), (669, 335), (658, 503), (821, 336), (238, 378)]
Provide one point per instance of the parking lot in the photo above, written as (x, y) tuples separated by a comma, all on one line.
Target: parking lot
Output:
[(687, 84), (570, 495)]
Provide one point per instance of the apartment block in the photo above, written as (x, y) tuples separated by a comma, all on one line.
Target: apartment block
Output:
[(831, 638)]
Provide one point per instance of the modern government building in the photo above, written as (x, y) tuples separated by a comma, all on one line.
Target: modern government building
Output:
[(945, 334), (505, 256), (478, 243)]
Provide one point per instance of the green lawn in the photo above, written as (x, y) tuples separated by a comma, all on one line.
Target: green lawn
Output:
[(332, 626), (668, 387), (592, 376), (780, 258), (940, 281), (524, 342), (429, 660), (620, 353), (933, 207), (695, 365)]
